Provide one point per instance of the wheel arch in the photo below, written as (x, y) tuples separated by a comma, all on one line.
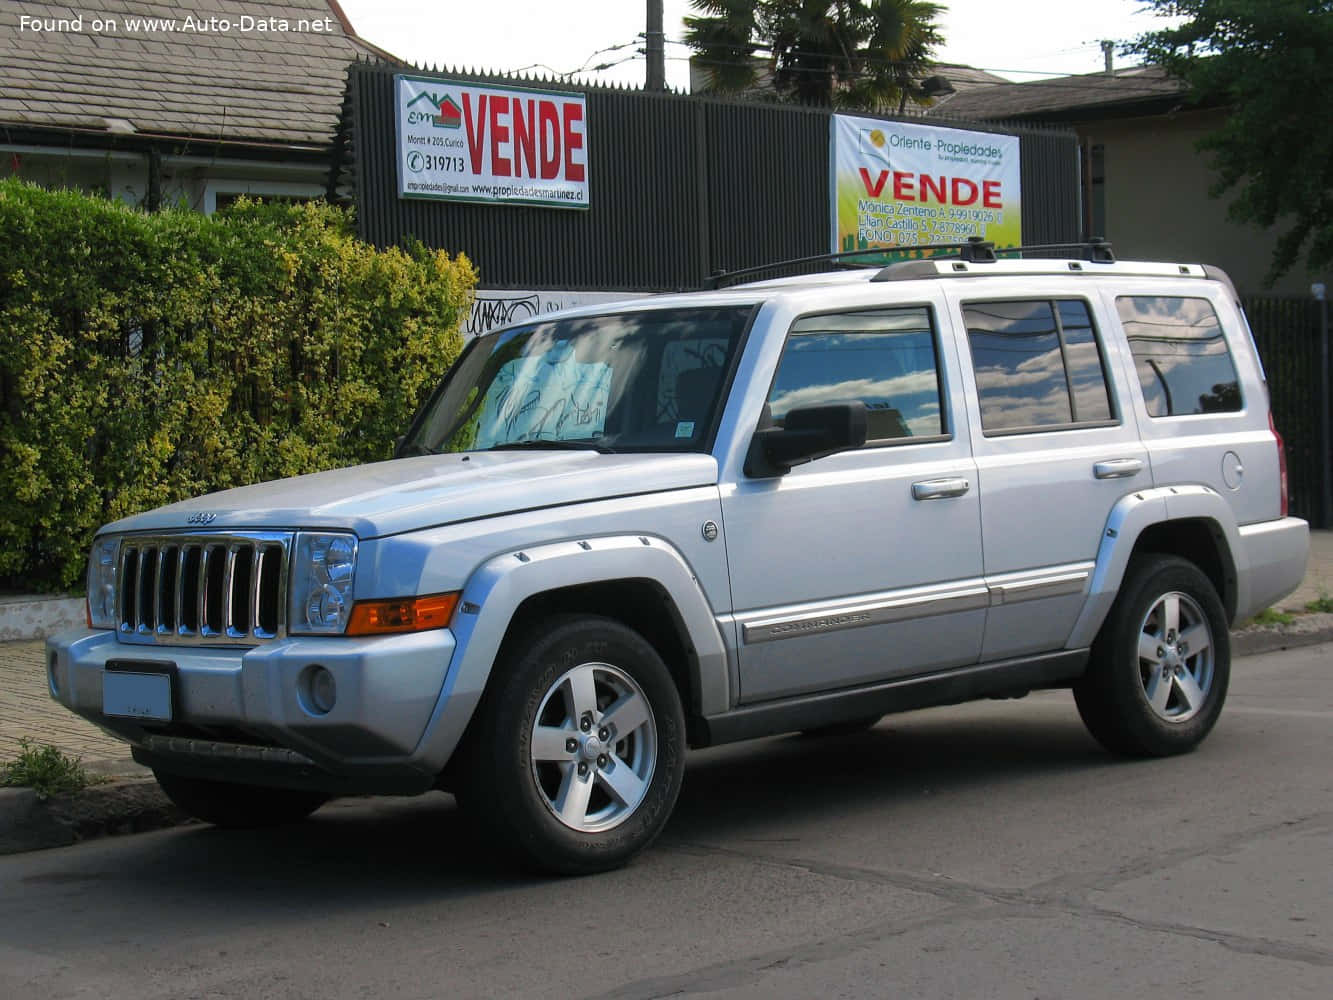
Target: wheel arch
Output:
[(1201, 541), (641, 581), (1192, 522), (638, 603)]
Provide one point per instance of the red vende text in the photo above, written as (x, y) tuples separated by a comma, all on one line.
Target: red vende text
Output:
[(525, 136), (924, 187)]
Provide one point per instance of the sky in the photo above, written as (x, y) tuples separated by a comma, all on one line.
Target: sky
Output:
[(1019, 39)]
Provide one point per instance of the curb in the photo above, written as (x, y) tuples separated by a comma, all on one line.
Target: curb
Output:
[(1306, 630), (38, 616), (125, 805)]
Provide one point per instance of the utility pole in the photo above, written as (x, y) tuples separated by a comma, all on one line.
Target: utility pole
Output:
[(656, 48), (1320, 293)]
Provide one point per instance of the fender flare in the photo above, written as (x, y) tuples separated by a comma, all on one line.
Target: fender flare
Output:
[(497, 588), (1130, 517)]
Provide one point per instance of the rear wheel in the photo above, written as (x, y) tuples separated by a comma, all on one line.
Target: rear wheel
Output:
[(1161, 664), (238, 806), (577, 755)]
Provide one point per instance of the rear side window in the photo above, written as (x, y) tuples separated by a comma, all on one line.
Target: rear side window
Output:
[(1038, 365), (1180, 354), (885, 358)]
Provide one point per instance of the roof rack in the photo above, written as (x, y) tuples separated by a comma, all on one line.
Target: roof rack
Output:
[(976, 249), (717, 278)]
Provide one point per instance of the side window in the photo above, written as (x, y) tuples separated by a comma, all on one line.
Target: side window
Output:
[(1038, 365), (885, 358), (1181, 355)]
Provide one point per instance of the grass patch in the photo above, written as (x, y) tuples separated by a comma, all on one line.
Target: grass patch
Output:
[(1271, 616), (1321, 605), (47, 770)]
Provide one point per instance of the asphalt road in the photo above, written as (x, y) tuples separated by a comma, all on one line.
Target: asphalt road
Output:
[(985, 851)]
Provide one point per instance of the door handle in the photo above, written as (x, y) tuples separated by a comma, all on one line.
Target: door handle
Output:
[(939, 489), (1118, 468)]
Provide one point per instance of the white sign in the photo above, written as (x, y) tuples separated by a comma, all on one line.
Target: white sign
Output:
[(901, 185), (502, 145)]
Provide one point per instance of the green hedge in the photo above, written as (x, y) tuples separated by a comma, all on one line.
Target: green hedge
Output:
[(149, 358)]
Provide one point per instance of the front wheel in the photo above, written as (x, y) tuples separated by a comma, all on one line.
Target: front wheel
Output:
[(238, 807), (1161, 663), (577, 754)]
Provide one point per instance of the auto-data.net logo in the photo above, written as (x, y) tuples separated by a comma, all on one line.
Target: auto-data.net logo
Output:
[(444, 113)]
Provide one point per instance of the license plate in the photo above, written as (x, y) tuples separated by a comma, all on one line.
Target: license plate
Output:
[(130, 695)]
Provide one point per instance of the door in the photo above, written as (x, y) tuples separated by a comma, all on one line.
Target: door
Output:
[(865, 565), (1056, 446)]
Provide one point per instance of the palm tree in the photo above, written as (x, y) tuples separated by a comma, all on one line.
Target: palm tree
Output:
[(861, 53)]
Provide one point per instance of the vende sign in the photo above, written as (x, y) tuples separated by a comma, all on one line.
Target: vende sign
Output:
[(901, 185), (464, 142)]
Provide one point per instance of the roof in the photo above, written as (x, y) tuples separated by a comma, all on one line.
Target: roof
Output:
[(281, 86), (964, 79), (1064, 97)]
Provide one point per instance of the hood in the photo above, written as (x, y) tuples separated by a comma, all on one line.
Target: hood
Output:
[(387, 498)]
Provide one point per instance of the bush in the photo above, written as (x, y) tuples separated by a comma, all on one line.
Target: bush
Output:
[(145, 359), (48, 770)]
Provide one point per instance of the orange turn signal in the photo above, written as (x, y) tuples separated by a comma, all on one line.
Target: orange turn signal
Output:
[(402, 614)]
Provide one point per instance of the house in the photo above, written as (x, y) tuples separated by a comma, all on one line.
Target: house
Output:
[(194, 104), (1145, 185)]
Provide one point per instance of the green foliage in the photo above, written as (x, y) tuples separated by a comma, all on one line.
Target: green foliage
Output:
[(1321, 605), (151, 358), (48, 770), (1271, 616), (1271, 65), (869, 54)]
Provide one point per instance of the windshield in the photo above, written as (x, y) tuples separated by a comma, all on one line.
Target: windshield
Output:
[(638, 381)]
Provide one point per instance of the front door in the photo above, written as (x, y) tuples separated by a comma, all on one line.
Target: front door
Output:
[(865, 565)]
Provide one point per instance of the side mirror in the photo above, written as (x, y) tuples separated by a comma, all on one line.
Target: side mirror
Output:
[(808, 433)]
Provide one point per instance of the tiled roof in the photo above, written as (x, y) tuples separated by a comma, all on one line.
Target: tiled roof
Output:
[(963, 78), (280, 87), (1061, 96)]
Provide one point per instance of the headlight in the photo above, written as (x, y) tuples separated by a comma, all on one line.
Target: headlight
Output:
[(323, 568), (102, 582)]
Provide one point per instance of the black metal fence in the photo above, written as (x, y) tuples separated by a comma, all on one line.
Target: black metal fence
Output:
[(1287, 333), (679, 187)]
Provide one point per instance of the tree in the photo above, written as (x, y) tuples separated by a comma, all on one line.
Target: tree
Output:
[(860, 53), (1270, 63)]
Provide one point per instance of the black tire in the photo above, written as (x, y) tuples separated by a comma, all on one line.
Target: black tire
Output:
[(518, 771), (238, 807), (1135, 650)]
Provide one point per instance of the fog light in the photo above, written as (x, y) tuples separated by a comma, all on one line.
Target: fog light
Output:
[(319, 690)]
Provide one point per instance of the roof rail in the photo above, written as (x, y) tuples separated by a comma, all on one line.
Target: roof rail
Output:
[(977, 250), (1096, 250), (718, 278)]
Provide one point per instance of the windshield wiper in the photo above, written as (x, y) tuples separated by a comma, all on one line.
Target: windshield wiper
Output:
[(549, 445), (413, 448)]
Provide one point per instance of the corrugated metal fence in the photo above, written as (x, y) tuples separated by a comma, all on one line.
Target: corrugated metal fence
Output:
[(1287, 333), (679, 187)]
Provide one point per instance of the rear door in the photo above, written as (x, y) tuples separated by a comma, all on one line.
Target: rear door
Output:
[(1056, 445)]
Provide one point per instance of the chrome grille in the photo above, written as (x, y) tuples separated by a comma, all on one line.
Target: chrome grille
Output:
[(203, 589)]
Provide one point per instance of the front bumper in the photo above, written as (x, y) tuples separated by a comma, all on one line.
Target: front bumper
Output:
[(239, 714)]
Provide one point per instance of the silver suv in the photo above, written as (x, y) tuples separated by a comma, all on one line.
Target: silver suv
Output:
[(800, 504)]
